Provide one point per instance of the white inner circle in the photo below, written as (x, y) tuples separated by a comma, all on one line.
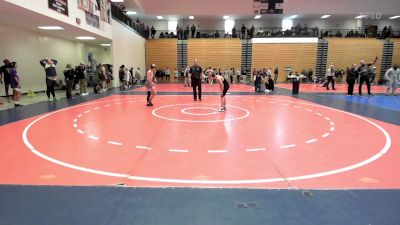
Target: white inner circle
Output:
[(199, 114), (378, 155), (247, 113)]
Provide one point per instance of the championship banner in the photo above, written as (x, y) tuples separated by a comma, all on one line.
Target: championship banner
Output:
[(60, 6)]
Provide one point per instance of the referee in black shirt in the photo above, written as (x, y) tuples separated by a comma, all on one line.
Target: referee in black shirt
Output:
[(195, 74)]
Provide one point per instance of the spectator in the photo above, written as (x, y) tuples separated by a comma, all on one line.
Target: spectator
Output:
[(5, 75), (147, 32), (310, 75), (276, 73), (252, 29), (243, 31), (352, 75), (49, 66), (366, 31), (15, 84), (269, 84), (138, 76), (384, 33), (167, 75), (122, 77), (216, 34), (193, 29), (153, 32), (187, 30), (69, 74), (329, 76), (81, 77), (389, 32), (234, 35), (162, 35), (392, 76)]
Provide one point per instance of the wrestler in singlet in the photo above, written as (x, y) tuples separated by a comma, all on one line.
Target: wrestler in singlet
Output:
[(150, 84)]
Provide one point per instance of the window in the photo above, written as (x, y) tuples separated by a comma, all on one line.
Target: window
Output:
[(229, 24), (172, 26), (287, 24)]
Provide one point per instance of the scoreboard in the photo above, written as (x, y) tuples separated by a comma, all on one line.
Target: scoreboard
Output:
[(268, 6)]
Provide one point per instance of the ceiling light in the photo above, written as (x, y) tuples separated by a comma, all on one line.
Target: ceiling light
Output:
[(160, 17), (131, 13), (293, 16), (117, 0), (225, 17), (394, 17), (85, 38), (191, 17), (51, 28), (257, 17), (325, 16), (360, 16), (105, 45)]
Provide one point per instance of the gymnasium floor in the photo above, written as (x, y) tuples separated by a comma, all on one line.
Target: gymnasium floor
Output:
[(287, 157)]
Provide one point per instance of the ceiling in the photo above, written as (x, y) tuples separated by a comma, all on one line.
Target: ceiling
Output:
[(243, 9), (11, 14)]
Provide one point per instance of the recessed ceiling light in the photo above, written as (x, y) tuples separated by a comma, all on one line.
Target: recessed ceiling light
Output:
[(131, 13), (160, 17), (325, 16), (257, 17), (394, 17), (117, 0), (85, 38), (191, 17), (360, 16), (51, 28), (293, 16), (105, 45), (225, 17)]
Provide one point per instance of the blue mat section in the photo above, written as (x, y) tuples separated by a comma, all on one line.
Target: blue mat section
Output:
[(385, 102), (27, 205)]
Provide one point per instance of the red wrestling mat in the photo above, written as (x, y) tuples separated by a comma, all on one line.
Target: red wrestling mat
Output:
[(340, 88), (259, 142), (205, 88)]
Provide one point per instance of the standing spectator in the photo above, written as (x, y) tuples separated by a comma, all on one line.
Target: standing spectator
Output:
[(122, 77), (234, 35), (186, 76), (364, 71), (276, 74), (147, 32), (193, 29), (80, 74), (69, 74), (5, 75), (257, 81), (176, 74), (49, 66), (15, 84), (352, 75), (238, 74), (167, 75), (231, 74), (153, 32), (329, 76), (384, 32), (187, 30), (392, 76), (243, 31), (196, 73), (138, 76), (389, 32), (252, 30), (366, 31), (310, 75)]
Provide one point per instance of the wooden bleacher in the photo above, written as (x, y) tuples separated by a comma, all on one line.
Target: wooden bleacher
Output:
[(163, 53), (297, 56), (396, 51)]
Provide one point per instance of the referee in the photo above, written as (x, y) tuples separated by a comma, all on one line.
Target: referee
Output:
[(195, 74)]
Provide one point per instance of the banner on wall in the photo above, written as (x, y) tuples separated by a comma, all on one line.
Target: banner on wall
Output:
[(92, 20), (60, 6), (97, 8)]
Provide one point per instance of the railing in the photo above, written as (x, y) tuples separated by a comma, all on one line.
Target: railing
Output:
[(358, 33), (119, 14)]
